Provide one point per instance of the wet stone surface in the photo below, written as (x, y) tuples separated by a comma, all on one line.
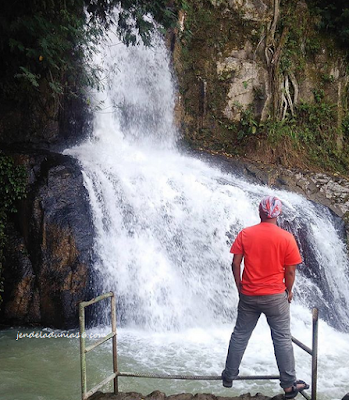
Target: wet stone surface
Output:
[(157, 395)]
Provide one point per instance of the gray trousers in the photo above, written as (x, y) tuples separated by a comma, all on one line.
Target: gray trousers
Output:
[(277, 310)]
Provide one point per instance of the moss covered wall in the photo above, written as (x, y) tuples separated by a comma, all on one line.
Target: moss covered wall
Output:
[(258, 79)]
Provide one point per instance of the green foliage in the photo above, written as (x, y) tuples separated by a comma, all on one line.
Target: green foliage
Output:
[(41, 42), (191, 22), (334, 18), (248, 124), (12, 182), (48, 45), (13, 187), (277, 131), (312, 132), (345, 127), (294, 25), (201, 18), (313, 44)]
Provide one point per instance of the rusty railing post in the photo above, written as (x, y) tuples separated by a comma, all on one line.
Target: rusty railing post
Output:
[(82, 351), (314, 355), (115, 355)]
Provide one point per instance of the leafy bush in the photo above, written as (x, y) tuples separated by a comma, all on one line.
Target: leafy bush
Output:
[(53, 41), (334, 18), (13, 184)]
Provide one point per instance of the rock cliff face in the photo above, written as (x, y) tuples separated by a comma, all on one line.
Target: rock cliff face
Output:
[(244, 66), (54, 124), (49, 256)]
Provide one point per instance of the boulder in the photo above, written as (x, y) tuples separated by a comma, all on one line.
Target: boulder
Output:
[(47, 267)]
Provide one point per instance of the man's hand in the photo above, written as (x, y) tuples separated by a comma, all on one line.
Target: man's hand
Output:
[(289, 296)]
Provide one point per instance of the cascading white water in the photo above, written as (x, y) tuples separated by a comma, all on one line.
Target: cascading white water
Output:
[(164, 223)]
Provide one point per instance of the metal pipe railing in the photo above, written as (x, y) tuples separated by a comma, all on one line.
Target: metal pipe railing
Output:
[(314, 355), (196, 377), (83, 350)]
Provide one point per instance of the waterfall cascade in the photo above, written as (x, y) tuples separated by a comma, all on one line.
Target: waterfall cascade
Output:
[(164, 224)]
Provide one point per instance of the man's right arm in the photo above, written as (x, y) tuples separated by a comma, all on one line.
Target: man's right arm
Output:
[(236, 267), (290, 275)]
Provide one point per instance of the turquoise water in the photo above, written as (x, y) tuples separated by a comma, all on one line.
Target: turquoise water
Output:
[(49, 369), (44, 368)]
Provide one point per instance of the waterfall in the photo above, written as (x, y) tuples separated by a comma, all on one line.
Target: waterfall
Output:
[(165, 222)]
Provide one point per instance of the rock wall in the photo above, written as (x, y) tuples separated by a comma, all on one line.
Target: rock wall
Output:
[(50, 124), (48, 260), (242, 64)]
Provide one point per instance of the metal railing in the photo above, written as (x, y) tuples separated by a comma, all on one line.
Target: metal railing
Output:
[(83, 350), (314, 354)]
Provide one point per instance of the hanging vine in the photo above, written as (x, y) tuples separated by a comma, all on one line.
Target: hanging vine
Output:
[(282, 87)]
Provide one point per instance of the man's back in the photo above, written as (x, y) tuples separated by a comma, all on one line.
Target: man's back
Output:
[(267, 249)]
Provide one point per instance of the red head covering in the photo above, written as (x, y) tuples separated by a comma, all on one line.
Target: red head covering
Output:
[(271, 206)]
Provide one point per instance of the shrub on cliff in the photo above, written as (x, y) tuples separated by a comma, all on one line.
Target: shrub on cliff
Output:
[(12, 183)]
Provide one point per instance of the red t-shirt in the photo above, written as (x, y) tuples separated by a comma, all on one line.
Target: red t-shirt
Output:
[(267, 249)]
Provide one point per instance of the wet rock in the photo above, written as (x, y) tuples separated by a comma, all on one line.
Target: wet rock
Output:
[(331, 191), (45, 283), (156, 395), (183, 396), (20, 280)]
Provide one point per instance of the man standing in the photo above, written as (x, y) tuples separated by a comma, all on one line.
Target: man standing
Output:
[(270, 258)]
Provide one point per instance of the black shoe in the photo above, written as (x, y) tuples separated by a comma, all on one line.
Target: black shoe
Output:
[(295, 389), (228, 383)]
